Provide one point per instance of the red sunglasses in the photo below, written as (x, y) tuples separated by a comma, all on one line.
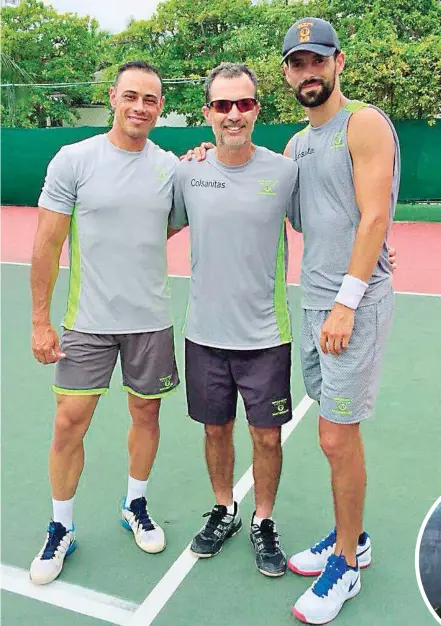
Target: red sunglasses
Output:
[(224, 106)]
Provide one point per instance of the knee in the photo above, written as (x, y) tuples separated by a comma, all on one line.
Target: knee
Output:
[(69, 429), (218, 432), (144, 412), (268, 438), (337, 442), (329, 443)]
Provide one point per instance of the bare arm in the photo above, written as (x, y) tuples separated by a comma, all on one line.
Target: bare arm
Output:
[(371, 145), (51, 232), (287, 151)]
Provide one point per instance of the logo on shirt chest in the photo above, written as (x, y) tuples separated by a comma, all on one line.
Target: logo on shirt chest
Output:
[(215, 184), (161, 174), (267, 187), (303, 153), (337, 141)]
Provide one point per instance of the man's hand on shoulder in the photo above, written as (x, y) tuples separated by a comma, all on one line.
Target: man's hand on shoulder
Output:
[(198, 153)]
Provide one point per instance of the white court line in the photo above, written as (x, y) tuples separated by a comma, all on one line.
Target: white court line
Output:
[(168, 584), (67, 596), (402, 293)]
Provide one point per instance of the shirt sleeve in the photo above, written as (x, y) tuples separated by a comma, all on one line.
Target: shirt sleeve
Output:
[(293, 211), (178, 215), (59, 190)]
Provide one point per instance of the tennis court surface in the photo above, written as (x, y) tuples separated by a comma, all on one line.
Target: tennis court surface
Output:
[(109, 580)]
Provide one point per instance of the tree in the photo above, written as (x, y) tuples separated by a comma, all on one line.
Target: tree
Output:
[(48, 47), (393, 53), (393, 50)]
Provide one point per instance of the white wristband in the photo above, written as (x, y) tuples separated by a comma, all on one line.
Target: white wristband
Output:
[(351, 291)]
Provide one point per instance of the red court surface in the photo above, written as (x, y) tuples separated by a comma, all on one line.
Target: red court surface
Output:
[(418, 246)]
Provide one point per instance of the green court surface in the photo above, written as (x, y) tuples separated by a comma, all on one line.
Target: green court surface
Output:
[(402, 449)]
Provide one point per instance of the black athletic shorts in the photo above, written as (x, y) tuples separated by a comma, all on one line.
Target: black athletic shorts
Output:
[(262, 377)]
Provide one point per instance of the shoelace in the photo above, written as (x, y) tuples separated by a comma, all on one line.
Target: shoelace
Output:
[(325, 543), (215, 517), (56, 533), (268, 536), (336, 566), (139, 508)]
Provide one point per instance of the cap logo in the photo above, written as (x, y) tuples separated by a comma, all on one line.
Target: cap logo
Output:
[(304, 31), (304, 35)]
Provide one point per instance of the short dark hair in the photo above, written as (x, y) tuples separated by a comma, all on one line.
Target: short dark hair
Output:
[(137, 65), (229, 70)]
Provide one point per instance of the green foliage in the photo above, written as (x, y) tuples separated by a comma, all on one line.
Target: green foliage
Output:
[(40, 45), (393, 50), (392, 46)]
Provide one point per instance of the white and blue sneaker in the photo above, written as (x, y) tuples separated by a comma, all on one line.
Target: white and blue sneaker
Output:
[(148, 535), (322, 602), (49, 562), (312, 562)]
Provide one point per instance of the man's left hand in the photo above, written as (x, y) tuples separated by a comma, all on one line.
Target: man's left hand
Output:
[(337, 330)]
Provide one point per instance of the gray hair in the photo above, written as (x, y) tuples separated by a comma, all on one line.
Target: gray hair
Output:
[(229, 70)]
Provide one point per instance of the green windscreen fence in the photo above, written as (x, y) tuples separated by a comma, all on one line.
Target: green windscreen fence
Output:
[(27, 152)]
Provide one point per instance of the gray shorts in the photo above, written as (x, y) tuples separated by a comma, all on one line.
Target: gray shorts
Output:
[(346, 385), (147, 362)]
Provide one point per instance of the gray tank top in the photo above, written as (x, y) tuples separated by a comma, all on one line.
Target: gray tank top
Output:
[(329, 211)]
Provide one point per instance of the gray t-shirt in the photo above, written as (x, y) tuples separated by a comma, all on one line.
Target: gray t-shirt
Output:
[(329, 212), (237, 216), (120, 203)]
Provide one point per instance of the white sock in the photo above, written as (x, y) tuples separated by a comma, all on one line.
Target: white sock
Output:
[(258, 520), (230, 508), (135, 489), (63, 512)]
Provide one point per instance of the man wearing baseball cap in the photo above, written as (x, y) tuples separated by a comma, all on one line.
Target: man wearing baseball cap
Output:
[(349, 169)]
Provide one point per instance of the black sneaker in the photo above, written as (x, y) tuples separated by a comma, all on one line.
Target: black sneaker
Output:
[(220, 527), (270, 558)]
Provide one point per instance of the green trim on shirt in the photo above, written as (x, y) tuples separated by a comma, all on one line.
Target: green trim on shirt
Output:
[(280, 296), (73, 299), (355, 105)]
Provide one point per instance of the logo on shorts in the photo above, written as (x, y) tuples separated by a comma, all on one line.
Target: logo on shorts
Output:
[(267, 188), (343, 406), (280, 406), (166, 383), (338, 142)]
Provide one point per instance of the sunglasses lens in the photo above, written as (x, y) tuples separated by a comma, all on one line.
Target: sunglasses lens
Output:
[(222, 106), (225, 106), (246, 104)]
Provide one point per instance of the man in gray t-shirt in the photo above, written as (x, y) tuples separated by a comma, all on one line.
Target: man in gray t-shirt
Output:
[(238, 335), (112, 194)]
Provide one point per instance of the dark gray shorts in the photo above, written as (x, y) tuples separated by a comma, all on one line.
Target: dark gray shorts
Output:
[(147, 362), (214, 376)]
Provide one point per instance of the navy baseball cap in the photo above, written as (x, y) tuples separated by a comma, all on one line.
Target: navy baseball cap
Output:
[(312, 35)]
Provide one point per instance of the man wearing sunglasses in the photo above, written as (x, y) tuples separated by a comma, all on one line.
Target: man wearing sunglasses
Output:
[(349, 166), (238, 335)]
